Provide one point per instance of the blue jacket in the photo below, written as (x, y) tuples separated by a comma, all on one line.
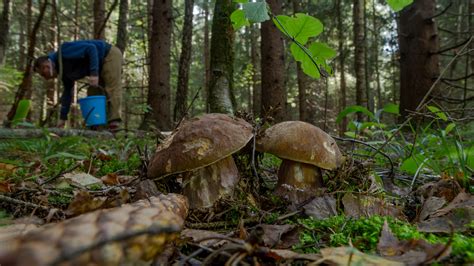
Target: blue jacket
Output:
[(79, 59)]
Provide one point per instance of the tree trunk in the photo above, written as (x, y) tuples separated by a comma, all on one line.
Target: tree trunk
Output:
[(221, 98), (376, 56), (207, 63), (419, 64), (184, 62), (342, 64), (99, 19), (122, 26), (255, 58), (273, 68), (4, 29), (359, 45), (304, 81), (76, 20), (159, 81), (367, 73), (25, 84)]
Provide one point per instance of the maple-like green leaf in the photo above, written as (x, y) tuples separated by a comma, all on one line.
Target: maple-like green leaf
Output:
[(256, 12), (238, 19), (300, 27), (398, 5)]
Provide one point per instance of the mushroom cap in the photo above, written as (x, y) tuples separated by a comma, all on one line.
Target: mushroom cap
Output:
[(302, 142), (199, 142)]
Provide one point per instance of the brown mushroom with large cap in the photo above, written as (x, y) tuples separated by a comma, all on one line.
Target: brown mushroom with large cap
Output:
[(201, 149), (304, 149)]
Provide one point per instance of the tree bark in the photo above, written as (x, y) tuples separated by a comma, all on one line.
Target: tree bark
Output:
[(304, 82), (419, 64), (184, 62), (122, 26), (25, 85), (342, 64), (4, 29), (255, 58), (221, 98), (359, 50), (376, 56), (99, 19), (273, 68), (159, 91), (207, 58)]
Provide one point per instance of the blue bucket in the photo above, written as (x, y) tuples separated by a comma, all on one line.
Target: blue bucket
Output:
[(93, 110)]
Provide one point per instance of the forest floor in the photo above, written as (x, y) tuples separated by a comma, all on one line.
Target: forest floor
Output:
[(366, 213)]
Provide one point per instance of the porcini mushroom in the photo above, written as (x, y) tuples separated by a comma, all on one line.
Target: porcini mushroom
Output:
[(201, 149), (304, 149)]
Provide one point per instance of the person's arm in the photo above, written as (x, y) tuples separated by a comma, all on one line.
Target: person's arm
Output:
[(66, 98)]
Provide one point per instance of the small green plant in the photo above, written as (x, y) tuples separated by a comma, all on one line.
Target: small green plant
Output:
[(436, 147)]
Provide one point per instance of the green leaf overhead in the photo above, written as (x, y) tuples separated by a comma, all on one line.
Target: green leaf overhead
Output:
[(241, 1), (238, 19), (256, 12), (398, 5), (301, 27)]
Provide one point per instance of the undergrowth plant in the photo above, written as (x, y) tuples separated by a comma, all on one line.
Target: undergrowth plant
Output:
[(433, 146)]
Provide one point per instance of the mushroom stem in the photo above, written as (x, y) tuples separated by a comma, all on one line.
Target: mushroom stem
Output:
[(204, 186), (298, 181)]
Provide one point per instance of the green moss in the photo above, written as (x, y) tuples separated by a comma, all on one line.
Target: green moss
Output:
[(364, 234)]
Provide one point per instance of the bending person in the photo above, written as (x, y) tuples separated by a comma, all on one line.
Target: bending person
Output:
[(96, 59)]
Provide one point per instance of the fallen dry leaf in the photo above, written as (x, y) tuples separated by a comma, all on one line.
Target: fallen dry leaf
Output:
[(431, 205), (321, 207), (357, 206), (285, 254), (351, 256), (445, 188), (110, 179), (413, 251), (197, 235), (280, 236), (82, 179), (84, 202), (6, 187), (458, 214)]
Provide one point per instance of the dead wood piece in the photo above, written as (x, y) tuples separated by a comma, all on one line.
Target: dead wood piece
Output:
[(22, 133), (128, 234)]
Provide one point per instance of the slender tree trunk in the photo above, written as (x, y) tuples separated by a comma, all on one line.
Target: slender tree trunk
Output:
[(207, 58), (25, 84), (184, 62), (4, 29), (76, 19), (304, 82), (368, 92), (159, 93), (273, 68), (122, 26), (359, 46), (342, 64), (99, 19), (255, 58), (376, 55), (221, 98), (419, 64)]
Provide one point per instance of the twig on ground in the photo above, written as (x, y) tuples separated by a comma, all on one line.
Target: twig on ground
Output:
[(70, 169), (372, 147), (25, 203)]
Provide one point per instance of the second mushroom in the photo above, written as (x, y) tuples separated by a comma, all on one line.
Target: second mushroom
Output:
[(304, 149)]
